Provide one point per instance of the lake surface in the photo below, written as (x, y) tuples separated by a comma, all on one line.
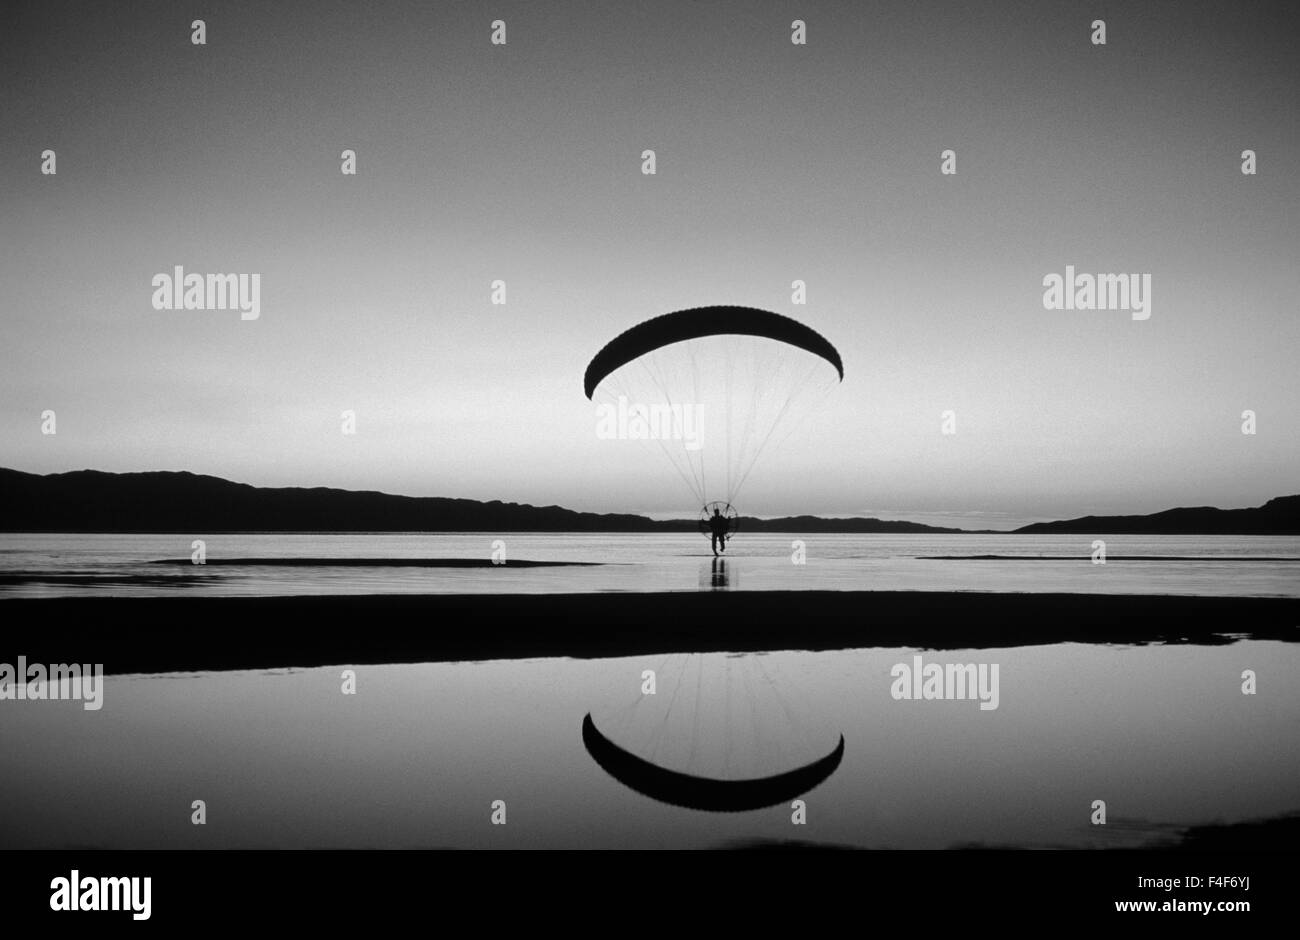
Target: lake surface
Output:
[(416, 758), (52, 565)]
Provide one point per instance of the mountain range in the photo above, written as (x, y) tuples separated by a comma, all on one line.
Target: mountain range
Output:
[(178, 501)]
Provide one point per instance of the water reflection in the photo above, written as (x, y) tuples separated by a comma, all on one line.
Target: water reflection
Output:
[(717, 576), (704, 793), (1162, 733)]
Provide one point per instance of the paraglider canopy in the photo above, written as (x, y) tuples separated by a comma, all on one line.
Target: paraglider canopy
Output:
[(713, 388), (698, 322)]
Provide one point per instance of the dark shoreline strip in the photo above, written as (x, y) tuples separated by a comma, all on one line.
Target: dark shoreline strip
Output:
[(194, 634), (380, 563)]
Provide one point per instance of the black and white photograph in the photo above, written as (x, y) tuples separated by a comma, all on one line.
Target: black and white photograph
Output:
[(767, 426)]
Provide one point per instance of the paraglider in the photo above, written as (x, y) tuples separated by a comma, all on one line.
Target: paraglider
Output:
[(718, 520), (735, 380)]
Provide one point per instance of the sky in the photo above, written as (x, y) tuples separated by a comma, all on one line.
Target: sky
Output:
[(775, 162)]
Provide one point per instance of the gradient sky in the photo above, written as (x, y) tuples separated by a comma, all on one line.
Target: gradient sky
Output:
[(776, 162)]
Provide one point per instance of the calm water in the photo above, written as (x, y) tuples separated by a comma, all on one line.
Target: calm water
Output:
[(50, 565), (418, 755)]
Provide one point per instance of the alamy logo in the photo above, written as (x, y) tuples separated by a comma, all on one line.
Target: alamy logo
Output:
[(36, 682), (946, 682), (659, 422), (75, 893), (181, 291), (1098, 292)]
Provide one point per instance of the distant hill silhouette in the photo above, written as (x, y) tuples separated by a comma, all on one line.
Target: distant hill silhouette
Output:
[(820, 524), (1280, 516), (171, 501)]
